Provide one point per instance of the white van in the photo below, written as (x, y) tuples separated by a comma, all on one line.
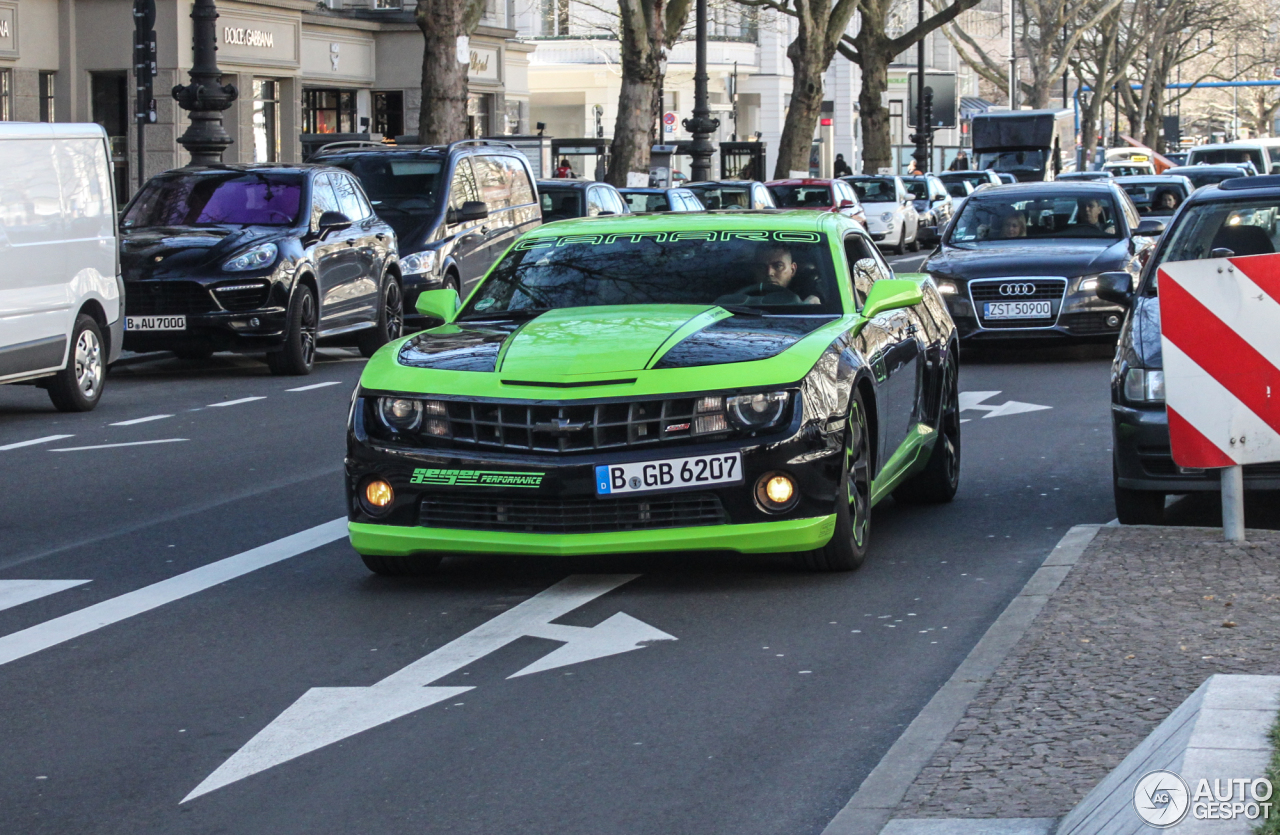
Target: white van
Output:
[(61, 296), (1229, 152)]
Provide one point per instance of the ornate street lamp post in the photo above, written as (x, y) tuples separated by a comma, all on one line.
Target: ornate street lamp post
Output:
[(702, 126), (206, 96)]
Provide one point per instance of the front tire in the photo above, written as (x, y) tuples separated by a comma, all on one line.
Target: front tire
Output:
[(298, 356), (1136, 507), (938, 481), (414, 565), (901, 247), (848, 546), (390, 322), (78, 386)]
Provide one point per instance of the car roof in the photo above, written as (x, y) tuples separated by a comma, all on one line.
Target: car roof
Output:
[(1217, 146), (720, 183), (1098, 186), (748, 220), (1221, 166), (285, 167), (567, 183), (1265, 185), (647, 190), (1151, 179), (806, 181)]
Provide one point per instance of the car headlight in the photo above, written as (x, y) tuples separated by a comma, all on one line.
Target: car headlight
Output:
[(947, 288), (1088, 283), (400, 414), (260, 256), (1144, 385), (419, 263), (757, 411), (887, 217)]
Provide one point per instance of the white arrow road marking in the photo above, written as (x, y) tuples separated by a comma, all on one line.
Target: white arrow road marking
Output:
[(46, 439), (976, 400), (325, 715), (53, 632), (16, 592)]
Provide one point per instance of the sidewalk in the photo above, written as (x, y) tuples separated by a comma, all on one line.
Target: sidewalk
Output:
[(1143, 618)]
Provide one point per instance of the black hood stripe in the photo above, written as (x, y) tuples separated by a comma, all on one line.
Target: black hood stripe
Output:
[(741, 339)]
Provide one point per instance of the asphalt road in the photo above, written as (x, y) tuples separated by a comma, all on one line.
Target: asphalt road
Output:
[(201, 667)]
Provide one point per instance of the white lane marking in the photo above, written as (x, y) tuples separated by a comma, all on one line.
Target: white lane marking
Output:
[(317, 386), (53, 632), (233, 402), (975, 400), (113, 446), (46, 439), (146, 419), (16, 592), (325, 715)]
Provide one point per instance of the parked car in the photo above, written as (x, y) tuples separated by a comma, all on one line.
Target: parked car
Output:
[(733, 194), (455, 208), (818, 195), (1084, 175), (661, 200), (1235, 218), (933, 206), (1157, 196), (1208, 175), (563, 199), (61, 322), (891, 214), (258, 257), (1023, 261)]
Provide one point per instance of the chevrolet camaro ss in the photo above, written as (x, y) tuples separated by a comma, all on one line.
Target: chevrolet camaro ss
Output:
[(752, 382)]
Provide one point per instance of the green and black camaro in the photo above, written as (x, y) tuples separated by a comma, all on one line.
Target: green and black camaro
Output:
[(748, 381)]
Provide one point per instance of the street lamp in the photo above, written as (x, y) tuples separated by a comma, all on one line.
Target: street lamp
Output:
[(702, 126), (206, 96)]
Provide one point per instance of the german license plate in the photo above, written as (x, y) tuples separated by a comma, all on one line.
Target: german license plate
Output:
[(1017, 310), (155, 323), (671, 474)]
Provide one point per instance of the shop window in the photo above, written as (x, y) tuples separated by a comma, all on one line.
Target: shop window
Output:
[(266, 120), (479, 106), (6, 91), (388, 113), (109, 107), (328, 110), (513, 116), (555, 18), (46, 96)]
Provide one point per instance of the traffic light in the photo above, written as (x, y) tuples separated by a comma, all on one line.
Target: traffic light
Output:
[(928, 111), (144, 59)]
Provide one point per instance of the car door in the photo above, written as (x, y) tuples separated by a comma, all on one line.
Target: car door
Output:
[(892, 344), (362, 290), (499, 231), (470, 246), (334, 251)]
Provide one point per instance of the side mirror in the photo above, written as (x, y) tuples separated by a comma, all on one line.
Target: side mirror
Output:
[(1116, 287), (439, 304), (846, 204), (333, 220), (471, 210), (1150, 229), (891, 294)]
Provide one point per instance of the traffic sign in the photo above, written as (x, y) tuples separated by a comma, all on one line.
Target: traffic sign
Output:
[(668, 118)]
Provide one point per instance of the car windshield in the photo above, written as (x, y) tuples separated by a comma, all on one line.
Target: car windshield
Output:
[(783, 272), (560, 203), (1227, 228), (874, 189), (1129, 170), (404, 192), (1066, 213), (238, 198), (641, 201), (801, 197), (723, 197), (1156, 198), (1218, 156), (1013, 161)]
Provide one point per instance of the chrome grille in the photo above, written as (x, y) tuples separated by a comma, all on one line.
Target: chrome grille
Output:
[(580, 515), (166, 297)]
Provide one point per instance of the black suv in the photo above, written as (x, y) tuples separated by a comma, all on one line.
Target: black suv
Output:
[(257, 258), (1238, 217), (455, 208)]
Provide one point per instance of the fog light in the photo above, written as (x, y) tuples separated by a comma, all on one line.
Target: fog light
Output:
[(776, 492), (255, 322), (378, 495), (1113, 321)]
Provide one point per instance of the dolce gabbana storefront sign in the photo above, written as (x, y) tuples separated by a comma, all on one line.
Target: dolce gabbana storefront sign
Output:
[(258, 40), (8, 29)]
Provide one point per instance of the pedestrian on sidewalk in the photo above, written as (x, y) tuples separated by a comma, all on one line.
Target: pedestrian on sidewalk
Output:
[(960, 163), (841, 168)]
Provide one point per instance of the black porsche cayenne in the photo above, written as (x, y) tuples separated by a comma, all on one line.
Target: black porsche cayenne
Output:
[(267, 258), (1022, 261)]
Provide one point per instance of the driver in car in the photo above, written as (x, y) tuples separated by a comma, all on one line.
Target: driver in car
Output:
[(780, 270), (1090, 215)]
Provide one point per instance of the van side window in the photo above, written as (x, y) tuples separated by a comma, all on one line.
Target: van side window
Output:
[(491, 179), (322, 198), (521, 187), (865, 266), (462, 189)]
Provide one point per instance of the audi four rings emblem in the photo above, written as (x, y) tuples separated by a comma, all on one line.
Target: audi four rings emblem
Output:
[(1017, 289)]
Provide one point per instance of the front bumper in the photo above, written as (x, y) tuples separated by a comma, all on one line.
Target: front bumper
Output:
[(221, 331), (1144, 461), (563, 514), (1077, 315)]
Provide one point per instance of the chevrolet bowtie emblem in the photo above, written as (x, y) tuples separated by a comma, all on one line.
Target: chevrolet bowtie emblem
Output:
[(560, 426)]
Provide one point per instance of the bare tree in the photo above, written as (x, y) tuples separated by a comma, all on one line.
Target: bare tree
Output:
[(648, 27), (443, 117)]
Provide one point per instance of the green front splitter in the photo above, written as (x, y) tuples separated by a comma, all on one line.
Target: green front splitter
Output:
[(758, 538)]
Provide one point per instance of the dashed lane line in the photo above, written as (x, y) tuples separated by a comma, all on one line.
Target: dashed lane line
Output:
[(45, 440), (112, 446), (92, 618), (146, 419), (317, 386), (16, 592), (234, 402)]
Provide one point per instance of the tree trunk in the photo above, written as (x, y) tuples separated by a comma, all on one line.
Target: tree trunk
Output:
[(877, 145), (443, 117), (808, 66), (637, 102)]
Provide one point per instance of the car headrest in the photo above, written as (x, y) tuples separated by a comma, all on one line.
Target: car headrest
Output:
[(1244, 240)]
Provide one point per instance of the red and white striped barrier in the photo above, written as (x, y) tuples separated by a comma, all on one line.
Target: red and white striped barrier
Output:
[(1220, 330)]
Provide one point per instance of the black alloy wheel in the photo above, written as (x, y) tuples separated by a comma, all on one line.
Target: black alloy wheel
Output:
[(848, 546), (390, 323), (940, 478), (1136, 507), (298, 355)]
